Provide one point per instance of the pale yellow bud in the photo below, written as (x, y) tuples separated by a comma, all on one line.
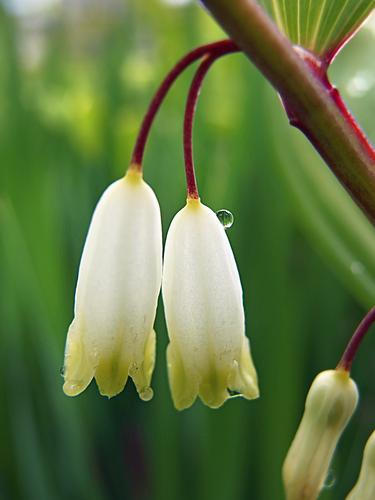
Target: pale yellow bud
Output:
[(330, 403), (365, 487)]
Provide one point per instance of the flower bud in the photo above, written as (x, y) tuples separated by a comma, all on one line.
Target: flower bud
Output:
[(330, 403), (365, 487), (118, 285), (208, 354)]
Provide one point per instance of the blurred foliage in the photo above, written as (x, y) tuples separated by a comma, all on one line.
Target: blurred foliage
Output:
[(75, 80)]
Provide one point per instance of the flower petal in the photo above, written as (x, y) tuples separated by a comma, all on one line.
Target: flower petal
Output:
[(78, 367), (208, 352), (119, 280)]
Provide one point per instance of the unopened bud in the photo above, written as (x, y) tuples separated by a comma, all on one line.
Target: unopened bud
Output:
[(365, 487), (330, 403)]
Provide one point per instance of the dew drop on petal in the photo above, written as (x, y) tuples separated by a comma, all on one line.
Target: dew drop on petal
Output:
[(225, 217), (62, 371), (146, 394)]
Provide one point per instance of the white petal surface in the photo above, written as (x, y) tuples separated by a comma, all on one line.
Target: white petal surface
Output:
[(118, 285), (208, 351)]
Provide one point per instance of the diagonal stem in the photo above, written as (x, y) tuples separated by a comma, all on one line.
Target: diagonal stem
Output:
[(312, 105), (191, 104), (356, 340)]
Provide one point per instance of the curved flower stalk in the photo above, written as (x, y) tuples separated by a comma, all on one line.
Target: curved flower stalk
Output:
[(208, 354), (330, 403), (119, 281), (365, 487)]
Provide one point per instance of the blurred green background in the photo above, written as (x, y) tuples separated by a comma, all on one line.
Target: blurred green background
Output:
[(75, 80)]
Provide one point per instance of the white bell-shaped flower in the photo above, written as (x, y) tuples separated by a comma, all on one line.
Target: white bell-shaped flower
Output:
[(119, 281), (208, 354), (365, 487)]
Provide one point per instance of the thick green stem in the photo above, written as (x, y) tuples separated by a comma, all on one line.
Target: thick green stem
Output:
[(310, 102)]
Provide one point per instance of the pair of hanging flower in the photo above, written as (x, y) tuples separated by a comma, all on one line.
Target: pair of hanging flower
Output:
[(121, 273), (120, 276)]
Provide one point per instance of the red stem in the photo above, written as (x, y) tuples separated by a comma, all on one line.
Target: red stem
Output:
[(361, 136), (319, 68), (312, 107), (220, 47), (191, 105), (356, 340)]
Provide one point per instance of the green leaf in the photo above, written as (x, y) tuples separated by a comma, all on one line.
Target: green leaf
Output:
[(321, 26)]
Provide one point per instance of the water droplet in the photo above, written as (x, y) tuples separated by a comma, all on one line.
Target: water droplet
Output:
[(330, 480), (225, 217), (62, 371), (146, 394)]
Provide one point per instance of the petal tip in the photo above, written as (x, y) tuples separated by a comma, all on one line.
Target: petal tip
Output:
[(72, 389), (184, 389), (77, 370), (141, 370)]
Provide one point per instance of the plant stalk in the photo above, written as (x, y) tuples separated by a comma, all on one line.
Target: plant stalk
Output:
[(190, 109), (311, 104), (356, 340), (220, 47)]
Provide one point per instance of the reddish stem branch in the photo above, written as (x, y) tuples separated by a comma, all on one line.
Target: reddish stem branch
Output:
[(313, 108), (362, 138), (356, 340), (191, 105), (319, 68), (220, 47)]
